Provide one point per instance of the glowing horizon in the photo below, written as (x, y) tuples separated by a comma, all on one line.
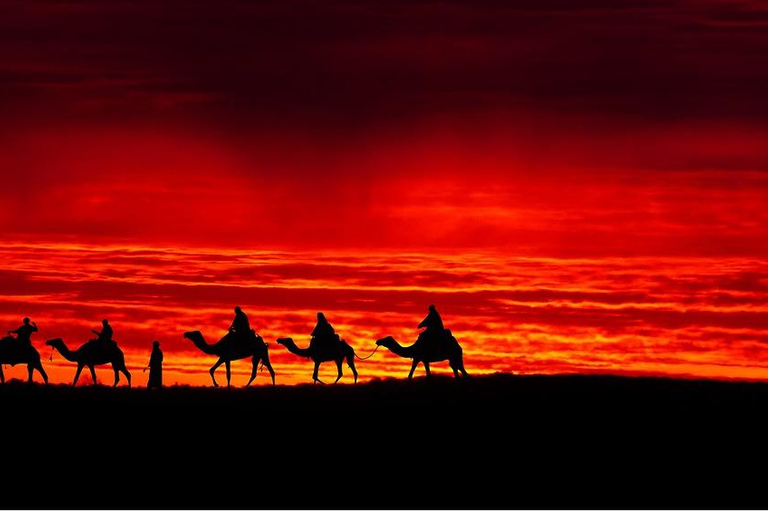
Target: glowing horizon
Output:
[(510, 314)]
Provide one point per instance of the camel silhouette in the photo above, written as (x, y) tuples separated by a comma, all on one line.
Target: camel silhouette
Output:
[(92, 353), (320, 353), (426, 353), (230, 348), (13, 352)]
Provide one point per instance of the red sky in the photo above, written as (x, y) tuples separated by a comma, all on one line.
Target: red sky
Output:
[(577, 186)]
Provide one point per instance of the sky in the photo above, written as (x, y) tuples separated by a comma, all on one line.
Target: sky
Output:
[(578, 186)]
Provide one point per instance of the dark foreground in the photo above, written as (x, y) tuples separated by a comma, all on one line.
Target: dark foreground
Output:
[(493, 442)]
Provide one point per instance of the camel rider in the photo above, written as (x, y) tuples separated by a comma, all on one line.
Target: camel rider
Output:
[(24, 333), (433, 323), (323, 331), (240, 324), (106, 332)]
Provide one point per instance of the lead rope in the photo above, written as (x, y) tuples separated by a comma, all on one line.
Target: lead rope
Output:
[(369, 355)]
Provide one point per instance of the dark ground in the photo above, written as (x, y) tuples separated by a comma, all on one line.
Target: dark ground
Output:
[(491, 442)]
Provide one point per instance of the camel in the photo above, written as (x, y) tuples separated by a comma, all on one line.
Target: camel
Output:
[(92, 353), (422, 352), (230, 349), (14, 352), (320, 353)]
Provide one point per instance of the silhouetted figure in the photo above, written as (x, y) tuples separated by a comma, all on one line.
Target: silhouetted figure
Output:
[(323, 333), (432, 322), (155, 367), (19, 350), (24, 333), (254, 347), (434, 334), (90, 354), (105, 335), (429, 353), (321, 352), (240, 324)]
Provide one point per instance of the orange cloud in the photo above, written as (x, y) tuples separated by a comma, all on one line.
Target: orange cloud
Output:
[(687, 316)]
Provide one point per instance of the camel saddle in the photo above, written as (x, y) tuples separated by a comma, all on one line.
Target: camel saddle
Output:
[(326, 341), (235, 341), (436, 339), (15, 346), (100, 346)]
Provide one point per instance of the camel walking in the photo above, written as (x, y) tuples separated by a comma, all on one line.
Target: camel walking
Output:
[(13, 352), (91, 354), (230, 348), (428, 352), (321, 352)]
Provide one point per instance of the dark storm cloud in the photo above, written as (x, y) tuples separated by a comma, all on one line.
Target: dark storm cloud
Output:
[(350, 61)]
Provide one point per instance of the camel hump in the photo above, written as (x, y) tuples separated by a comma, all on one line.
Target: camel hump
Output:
[(102, 347), (15, 351), (13, 342), (338, 341), (450, 337)]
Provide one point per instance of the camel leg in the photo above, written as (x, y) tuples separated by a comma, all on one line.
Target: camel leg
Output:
[(117, 375), (351, 363), (338, 368), (426, 368), (93, 373), (229, 371), (213, 369), (315, 379), (2, 375), (255, 364), (461, 368), (127, 374), (458, 366), (413, 368), (457, 363), (266, 363), (39, 368), (30, 370), (77, 373)]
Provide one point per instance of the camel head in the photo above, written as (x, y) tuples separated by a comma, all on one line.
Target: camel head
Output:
[(284, 341), (193, 335), (55, 342), (386, 341)]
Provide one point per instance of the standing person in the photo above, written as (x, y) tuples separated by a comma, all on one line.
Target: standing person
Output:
[(24, 333), (155, 367)]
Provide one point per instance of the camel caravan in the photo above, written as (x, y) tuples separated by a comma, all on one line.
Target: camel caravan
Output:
[(434, 344)]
